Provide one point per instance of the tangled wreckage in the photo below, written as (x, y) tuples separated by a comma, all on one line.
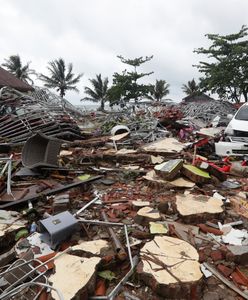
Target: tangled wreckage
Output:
[(22, 114), (137, 206)]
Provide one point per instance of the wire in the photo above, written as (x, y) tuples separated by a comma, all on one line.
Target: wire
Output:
[(16, 290)]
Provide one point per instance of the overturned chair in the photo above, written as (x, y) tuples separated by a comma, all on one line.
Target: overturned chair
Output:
[(41, 151)]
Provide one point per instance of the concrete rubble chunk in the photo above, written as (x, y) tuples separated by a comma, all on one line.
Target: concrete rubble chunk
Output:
[(10, 222), (147, 214), (198, 208), (168, 145), (74, 276), (156, 159), (169, 169), (170, 266), (137, 204), (180, 182), (195, 174), (157, 228), (94, 247)]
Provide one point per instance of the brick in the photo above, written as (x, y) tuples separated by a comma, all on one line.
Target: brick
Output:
[(207, 229), (224, 251), (216, 255), (238, 279), (207, 251), (202, 256), (225, 270)]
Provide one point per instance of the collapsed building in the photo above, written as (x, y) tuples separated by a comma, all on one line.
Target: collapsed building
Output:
[(134, 211), (205, 108), (25, 110)]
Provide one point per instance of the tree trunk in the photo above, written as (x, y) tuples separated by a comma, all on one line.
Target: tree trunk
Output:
[(62, 93), (102, 104), (245, 96)]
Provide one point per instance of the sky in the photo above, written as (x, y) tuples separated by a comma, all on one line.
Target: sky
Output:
[(91, 33)]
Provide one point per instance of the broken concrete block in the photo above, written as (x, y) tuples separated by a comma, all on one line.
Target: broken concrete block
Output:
[(158, 228), (169, 169), (94, 247), (156, 159), (74, 276), (139, 204), (152, 177), (170, 267), (146, 215), (10, 222), (167, 145), (198, 208), (195, 174)]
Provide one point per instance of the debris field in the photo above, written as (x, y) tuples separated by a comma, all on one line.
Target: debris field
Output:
[(128, 205)]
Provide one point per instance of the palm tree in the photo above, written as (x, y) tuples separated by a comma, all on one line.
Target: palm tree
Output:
[(61, 77), (99, 90), (159, 90), (14, 65), (191, 88)]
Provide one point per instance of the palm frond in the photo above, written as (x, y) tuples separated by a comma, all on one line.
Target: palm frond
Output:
[(60, 76)]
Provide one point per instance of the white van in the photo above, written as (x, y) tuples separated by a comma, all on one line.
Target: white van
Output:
[(237, 129)]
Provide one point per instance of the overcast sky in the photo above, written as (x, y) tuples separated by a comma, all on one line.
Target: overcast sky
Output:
[(90, 34)]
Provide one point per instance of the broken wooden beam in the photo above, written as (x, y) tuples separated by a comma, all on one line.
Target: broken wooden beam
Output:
[(50, 192)]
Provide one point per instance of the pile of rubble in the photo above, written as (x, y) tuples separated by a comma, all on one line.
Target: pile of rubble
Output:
[(207, 111), (40, 111), (140, 209)]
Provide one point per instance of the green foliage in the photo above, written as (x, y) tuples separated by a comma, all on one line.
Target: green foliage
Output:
[(14, 65), (21, 234), (136, 62), (99, 90), (159, 90), (107, 274), (125, 85), (191, 88), (61, 77), (226, 72)]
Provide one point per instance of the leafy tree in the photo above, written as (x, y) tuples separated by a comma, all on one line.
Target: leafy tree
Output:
[(226, 72), (159, 90), (14, 65), (61, 77), (125, 85), (191, 88), (99, 90)]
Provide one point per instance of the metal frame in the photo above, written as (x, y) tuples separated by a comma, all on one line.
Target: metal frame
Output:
[(133, 260)]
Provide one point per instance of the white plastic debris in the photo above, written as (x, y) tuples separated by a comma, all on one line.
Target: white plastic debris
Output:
[(235, 237), (205, 271)]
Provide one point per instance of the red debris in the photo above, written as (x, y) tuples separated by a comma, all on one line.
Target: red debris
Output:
[(216, 255), (225, 270)]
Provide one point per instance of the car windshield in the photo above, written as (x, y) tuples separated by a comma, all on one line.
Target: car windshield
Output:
[(242, 114)]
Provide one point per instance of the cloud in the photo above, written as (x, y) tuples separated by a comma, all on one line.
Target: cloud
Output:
[(90, 34)]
